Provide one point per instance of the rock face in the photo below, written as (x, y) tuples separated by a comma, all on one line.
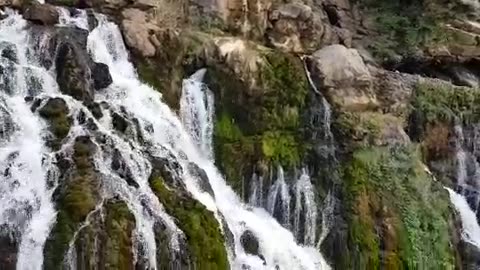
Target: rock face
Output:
[(295, 27), (341, 73), (137, 28), (41, 14)]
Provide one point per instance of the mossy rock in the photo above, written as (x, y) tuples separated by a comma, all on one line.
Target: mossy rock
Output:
[(398, 216), (205, 240), (56, 112), (258, 123), (76, 197)]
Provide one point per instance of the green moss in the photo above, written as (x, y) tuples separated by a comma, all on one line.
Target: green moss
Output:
[(404, 26), (56, 112), (259, 123), (204, 237), (444, 102), (281, 148), (77, 198), (391, 200), (119, 224)]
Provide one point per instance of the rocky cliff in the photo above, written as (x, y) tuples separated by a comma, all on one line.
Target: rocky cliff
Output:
[(345, 120)]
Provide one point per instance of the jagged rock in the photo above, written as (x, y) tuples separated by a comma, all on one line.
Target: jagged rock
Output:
[(250, 243), (202, 178), (119, 122), (9, 51), (343, 76), (146, 4), (44, 14), (298, 28), (136, 28), (239, 56), (119, 165), (73, 64), (95, 109), (101, 76)]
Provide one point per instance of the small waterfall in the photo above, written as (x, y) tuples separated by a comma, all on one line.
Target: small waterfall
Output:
[(327, 217), (305, 206), (460, 155), (278, 203), (470, 227), (256, 193), (197, 110)]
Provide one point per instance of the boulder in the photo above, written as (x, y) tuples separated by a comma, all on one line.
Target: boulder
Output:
[(237, 55), (250, 243), (342, 75), (43, 14), (137, 30), (296, 27), (101, 76)]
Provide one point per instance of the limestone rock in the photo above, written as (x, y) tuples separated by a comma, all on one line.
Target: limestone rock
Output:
[(237, 55), (44, 14), (343, 76), (137, 30), (296, 27)]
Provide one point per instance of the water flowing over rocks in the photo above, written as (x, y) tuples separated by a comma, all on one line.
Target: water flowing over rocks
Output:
[(230, 134)]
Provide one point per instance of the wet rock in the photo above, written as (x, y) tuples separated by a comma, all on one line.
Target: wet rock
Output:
[(122, 169), (95, 109), (56, 112), (250, 243), (7, 71), (470, 255), (202, 178), (8, 249), (73, 73), (9, 51), (343, 76), (43, 14), (101, 76), (7, 126), (169, 170), (119, 122)]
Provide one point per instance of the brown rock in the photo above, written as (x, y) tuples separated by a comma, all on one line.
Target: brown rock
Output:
[(44, 14)]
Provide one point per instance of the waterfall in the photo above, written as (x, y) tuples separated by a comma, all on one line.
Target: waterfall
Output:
[(196, 110), (305, 204), (327, 217), (165, 133), (278, 203), (460, 155), (28, 175), (470, 227), (256, 193), (31, 176)]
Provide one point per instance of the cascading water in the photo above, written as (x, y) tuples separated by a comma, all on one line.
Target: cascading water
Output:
[(30, 176), (26, 165), (164, 130), (305, 204), (196, 110), (278, 203), (470, 227)]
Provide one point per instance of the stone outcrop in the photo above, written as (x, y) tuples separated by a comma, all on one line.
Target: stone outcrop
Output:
[(344, 78), (44, 14)]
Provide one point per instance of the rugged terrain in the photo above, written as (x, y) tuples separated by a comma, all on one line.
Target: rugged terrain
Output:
[(378, 101)]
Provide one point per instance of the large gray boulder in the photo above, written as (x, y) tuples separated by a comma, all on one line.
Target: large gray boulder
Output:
[(43, 14), (343, 77)]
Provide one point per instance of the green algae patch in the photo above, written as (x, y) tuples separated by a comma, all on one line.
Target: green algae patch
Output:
[(205, 239), (398, 215)]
